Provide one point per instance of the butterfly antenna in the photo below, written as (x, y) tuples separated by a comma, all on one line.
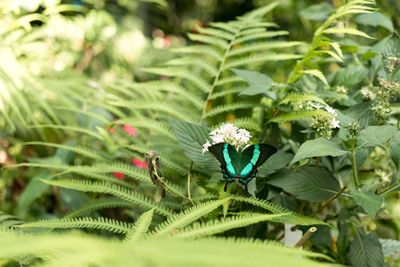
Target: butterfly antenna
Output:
[(226, 186)]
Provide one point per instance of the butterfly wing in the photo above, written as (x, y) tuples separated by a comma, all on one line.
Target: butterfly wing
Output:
[(252, 157), (226, 154)]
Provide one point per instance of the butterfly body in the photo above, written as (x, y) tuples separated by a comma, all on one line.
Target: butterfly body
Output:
[(241, 166)]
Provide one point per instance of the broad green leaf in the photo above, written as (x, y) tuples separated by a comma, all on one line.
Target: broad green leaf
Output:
[(351, 75), (276, 162), (394, 145), (259, 83), (191, 138), (368, 200), (313, 184), (376, 135), (375, 19), (317, 12), (366, 251), (318, 148)]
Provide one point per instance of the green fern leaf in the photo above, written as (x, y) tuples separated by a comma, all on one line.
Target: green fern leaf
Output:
[(115, 190), (79, 223), (141, 227)]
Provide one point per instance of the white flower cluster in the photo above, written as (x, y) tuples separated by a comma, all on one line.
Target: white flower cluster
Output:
[(335, 122), (230, 134)]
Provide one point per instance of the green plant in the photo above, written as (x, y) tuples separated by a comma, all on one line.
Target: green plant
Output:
[(329, 105)]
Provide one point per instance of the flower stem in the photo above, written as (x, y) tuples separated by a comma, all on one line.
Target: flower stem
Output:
[(354, 168)]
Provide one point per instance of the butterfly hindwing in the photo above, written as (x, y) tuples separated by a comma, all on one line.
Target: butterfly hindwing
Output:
[(241, 165)]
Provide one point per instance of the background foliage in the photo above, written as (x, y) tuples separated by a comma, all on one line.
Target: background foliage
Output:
[(88, 88)]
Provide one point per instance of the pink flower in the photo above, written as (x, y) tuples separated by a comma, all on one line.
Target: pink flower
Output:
[(139, 163), (130, 130), (118, 175)]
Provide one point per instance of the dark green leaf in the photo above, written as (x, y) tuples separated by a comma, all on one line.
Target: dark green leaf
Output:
[(318, 148), (366, 251), (276, 162), (351, 75), (368, 200), (309, 183), (258, 83), (375, 19), (376, 135), (394, 145), (191, 138)]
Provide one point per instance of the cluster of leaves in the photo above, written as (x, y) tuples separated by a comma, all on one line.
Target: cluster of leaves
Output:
[(82, 137)]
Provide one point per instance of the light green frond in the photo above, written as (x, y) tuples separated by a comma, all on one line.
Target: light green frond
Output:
[(186, 217), (262, 46), (99, 204), (150, 125), (301, 115), (301, 98), (210, 40), (101, 223), (221, 225), (265, 57), (84, 151), (230, 107), (140, 229), (289, 217), (351, 31), (112, 189)]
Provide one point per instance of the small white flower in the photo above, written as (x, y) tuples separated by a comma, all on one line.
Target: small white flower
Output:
[(317, 105), (335, 123), (228, 133), (205, 147), (331, 110)]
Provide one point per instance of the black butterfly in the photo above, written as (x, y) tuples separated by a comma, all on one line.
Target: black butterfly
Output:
[(241, 166)]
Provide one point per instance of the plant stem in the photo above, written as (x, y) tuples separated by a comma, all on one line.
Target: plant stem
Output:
[(354, 168), (306, 236)]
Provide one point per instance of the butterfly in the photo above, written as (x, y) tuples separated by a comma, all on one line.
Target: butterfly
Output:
[(241, 165)]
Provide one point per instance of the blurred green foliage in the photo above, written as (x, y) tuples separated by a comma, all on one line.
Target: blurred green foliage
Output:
[(89, 87)]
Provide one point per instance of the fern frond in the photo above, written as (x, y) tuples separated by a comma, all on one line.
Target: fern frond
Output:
[(199, 49), (69, 128), (181, 73), (99, 204), (301, 115), (301, 98), (165, 161), (112, 189), (291, 217), (221, 225), (101, 223), (84, 151), (150, 125), (7, 220), (141, 227), (188, 61), (211, 40), (351, 31), (265, 57), (186, 217), (174, 111), (228, 91), (230, 107), (262, 46)]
